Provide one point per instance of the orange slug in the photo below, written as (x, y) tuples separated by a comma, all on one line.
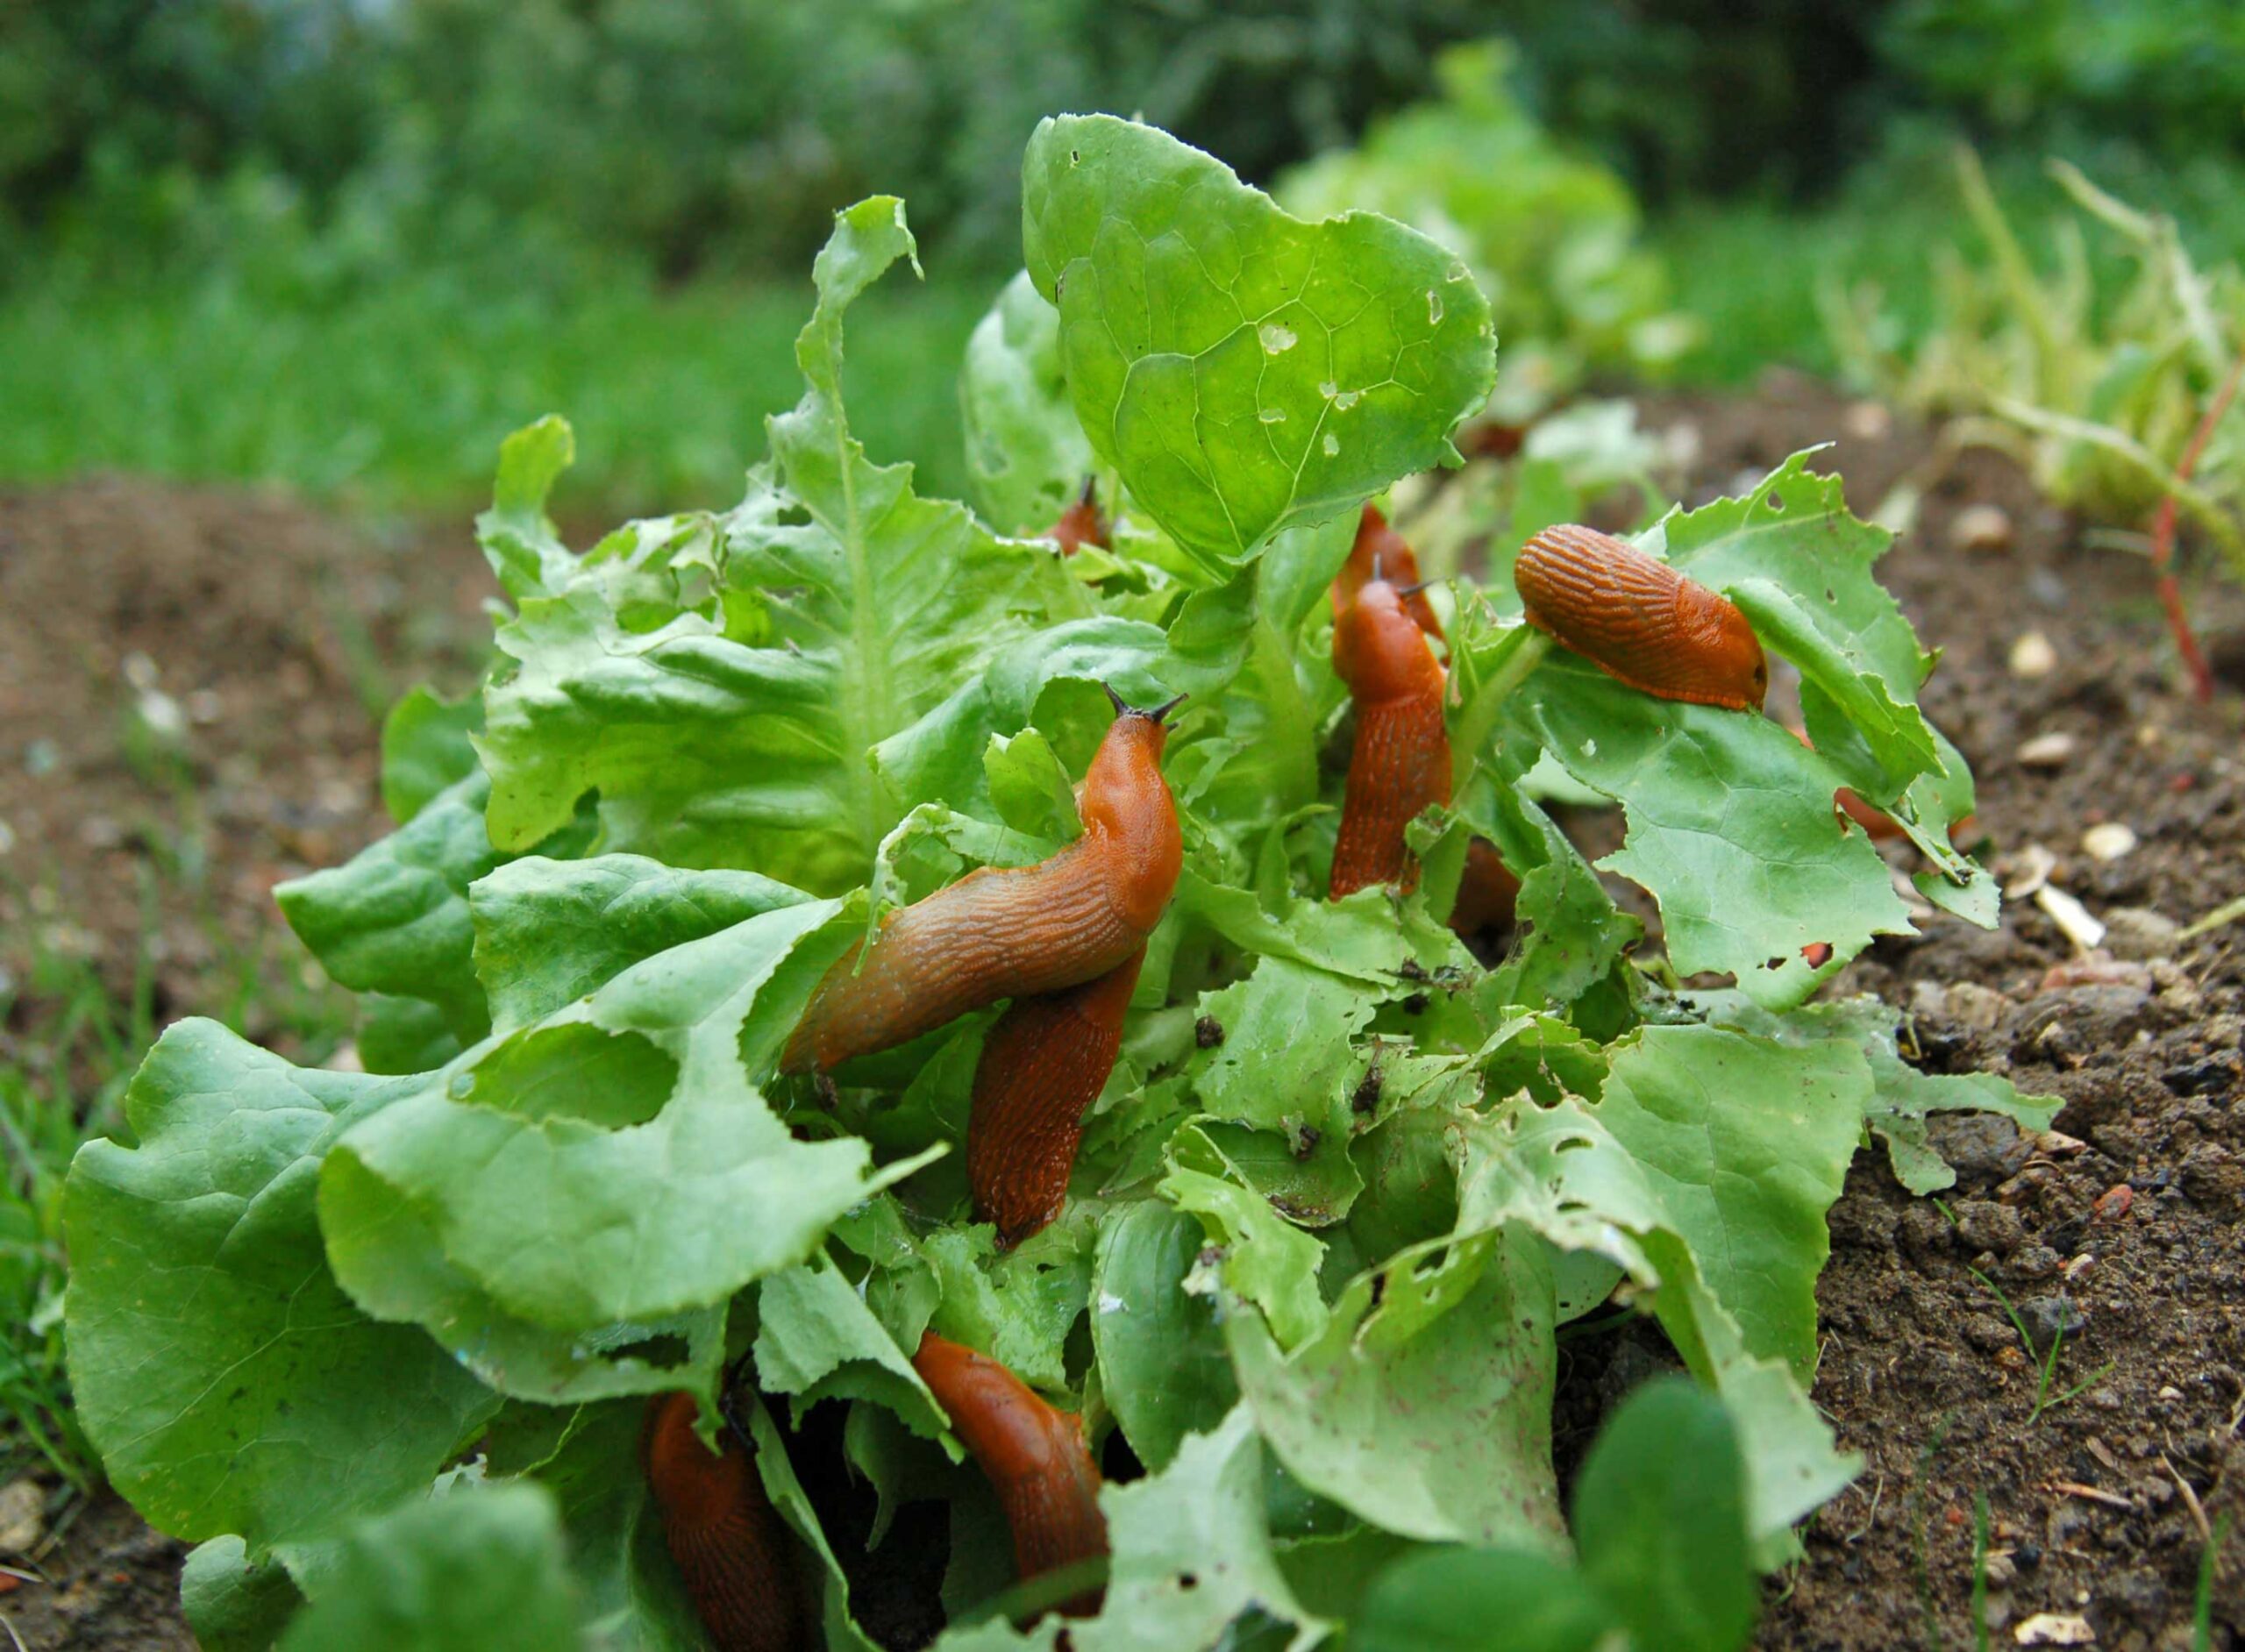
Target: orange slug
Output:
[(1400, 761), (731, 1547), (1487, 894), (1042, 1064), (1013, 933), (1382, 553), (1639, 621), (1081, 524), (1034, 1453)]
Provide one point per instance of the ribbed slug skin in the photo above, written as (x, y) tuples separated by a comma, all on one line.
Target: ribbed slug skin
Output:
[(1033, 1454), (731, 1547), (1639, 621), (1400, 761), (1042, 1066), (1399, 566), (1015, 933)]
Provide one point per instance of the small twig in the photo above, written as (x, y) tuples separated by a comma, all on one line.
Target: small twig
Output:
[(2075, 1488), (2190, 1499), (2162, 536)]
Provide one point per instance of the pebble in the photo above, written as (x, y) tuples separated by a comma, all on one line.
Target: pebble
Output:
[(2051, 750), (2096, 970), (1983, 528), (2055, 1628), (1989, 1226), (2108, 840), (2140, 934), (1982, 1008), (2033, 655), (2208, 1075), (2034, 1263), (2049, 1317), (23, 1517), (1982, 1144), (2081, 927)]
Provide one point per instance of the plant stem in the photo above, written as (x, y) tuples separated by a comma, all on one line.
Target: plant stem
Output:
[(2162, 536)]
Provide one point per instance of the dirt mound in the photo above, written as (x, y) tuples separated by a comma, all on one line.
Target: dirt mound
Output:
[(189, 685)]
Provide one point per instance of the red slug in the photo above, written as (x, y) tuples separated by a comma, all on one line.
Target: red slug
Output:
[(731, 1547), (1013, 934), (1400, 761), (1487, 894), (1638, 620), (1382, 553), (1081, 524), (1042, 1064), (1034, 1453)]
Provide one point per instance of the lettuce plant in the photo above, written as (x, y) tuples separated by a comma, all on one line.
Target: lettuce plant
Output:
[(376, 1338)]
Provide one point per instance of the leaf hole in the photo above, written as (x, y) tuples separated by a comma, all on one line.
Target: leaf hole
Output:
[(1187, 1580), (665, 1352), (1776, 501)]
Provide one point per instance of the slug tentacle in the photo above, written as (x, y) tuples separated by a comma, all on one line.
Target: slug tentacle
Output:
[(1401, 760), (1042, 1064), (1640, 621), (1034, 1457), (1380, 552), (731, 1549), (1014, 933)]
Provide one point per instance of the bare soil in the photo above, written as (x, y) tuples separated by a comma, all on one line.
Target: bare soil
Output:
[(276, 631)]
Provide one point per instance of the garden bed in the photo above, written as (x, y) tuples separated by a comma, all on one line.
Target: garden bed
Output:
[(267, 626)]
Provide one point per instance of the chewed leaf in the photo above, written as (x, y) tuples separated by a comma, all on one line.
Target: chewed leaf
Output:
[(1731, 829), (1241, 369), (590, 1174), (1903, 1096)]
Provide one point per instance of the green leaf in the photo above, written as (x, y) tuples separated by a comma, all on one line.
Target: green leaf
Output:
[(518, 539), (1452, 1601), (815, 1339), (426, 749), (1243, 369), (1424, 1407), (1660, 1517), (1559, 1172), (1746, 1145), (1731, 829), (1025, 453), (482, 1568), (1903, 1096), (548, 932), (234, 1604), (1018, 1308), (229, 1383), (1162, 1365), (1267, 1259), (574, 1188), (1191, 1552), (394, 919), (713, 741), (1029, 789)]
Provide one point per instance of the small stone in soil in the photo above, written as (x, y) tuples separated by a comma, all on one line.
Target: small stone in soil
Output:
[(2208, 1075), (2139, 934), (2049, 1317), (2051, 750), (2033, 655)]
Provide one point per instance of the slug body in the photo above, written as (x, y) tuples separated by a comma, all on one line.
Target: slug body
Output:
[(1639, 621), (1042, 1064), (1487, 895), (1400, 761), (1380, 552), (1081, 524), (1017, 933), (731, 1545), (1034, 1454)]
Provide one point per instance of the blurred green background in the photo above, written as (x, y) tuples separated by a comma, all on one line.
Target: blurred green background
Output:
[(348, 244)]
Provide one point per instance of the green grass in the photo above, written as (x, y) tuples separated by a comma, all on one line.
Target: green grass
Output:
[(396, 396)]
